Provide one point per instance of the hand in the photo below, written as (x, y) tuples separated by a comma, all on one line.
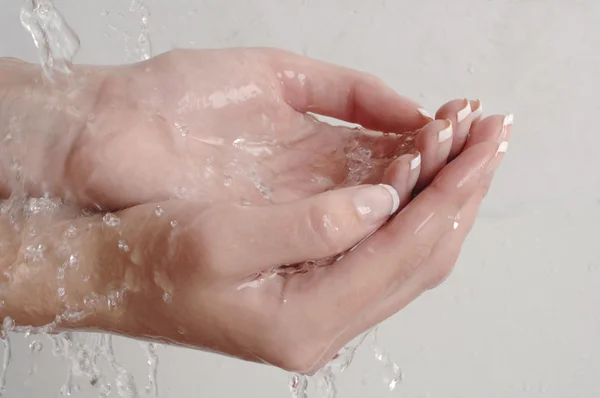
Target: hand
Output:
[(211, 125), (183, 270)]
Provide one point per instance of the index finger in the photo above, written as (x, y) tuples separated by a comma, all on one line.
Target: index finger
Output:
[(346, 94)]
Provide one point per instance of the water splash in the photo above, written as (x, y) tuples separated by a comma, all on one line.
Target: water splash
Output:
[(7, 326), (152, 388), (392, 373), (298, 386), (326, 383), (56, 42), (124, 380), (143, 48)]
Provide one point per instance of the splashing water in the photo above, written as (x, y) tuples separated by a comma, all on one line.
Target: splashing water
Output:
[(152, 388), (143, 48), (7, 326), (298, 386), (392, 373), (57, 43)]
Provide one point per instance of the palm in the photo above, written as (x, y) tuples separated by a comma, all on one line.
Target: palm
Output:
[(174, 132)]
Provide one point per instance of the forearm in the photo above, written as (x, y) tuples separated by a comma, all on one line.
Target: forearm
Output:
[(39, 124), (57, 268)]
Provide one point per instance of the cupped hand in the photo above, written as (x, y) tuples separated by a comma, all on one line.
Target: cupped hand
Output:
[(227, 125), (228, 196)]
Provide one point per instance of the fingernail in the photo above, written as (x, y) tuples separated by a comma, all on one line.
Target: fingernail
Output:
[(377, 202), (503, 147), (425, 113), (478, 111), (508, 120), (415, 162), (446, 133), (464, 112)]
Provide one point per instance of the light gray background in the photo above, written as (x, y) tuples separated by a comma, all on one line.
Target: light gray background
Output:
[(520, 316)]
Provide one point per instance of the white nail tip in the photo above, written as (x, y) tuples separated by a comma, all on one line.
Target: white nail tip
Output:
[(394, 195), (425, 113), (508, 120), (478, 111), (445, 134), (415, 162), (463, 113), (503, 147)]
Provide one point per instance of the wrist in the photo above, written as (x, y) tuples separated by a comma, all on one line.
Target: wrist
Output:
[(39, 125)]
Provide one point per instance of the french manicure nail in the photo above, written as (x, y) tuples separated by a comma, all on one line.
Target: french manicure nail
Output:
[(425, 113), (463, 113), (508, 121), (445, 133), (377, 202), (415, 162), (503, 147), (478, 111)]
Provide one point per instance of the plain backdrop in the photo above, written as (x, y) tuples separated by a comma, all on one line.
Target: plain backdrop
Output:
[(520, 316)]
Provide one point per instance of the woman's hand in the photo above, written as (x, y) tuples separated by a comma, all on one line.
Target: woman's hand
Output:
[(228, 234)]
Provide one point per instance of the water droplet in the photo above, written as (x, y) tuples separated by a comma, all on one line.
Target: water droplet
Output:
[(298, 386), (35, 253), (104, 389), (61, 292), (111, 220), (104, 12), (36, 346), (159, 211), (123, 246), (167, 298), (73, 259), (71, 232), (174, 224), (392, 373)]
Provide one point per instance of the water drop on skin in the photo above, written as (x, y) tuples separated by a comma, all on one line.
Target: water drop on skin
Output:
[(123, 246), (182, 129), (159, 211), (174, 224), (111, 220), (167, 298)]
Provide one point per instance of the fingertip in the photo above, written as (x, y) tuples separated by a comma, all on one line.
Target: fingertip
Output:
[(395, 197)]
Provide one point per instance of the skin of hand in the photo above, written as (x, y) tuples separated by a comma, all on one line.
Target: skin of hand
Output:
[(174, 146)]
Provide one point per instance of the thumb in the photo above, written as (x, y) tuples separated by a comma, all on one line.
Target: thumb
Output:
[(251, 239)]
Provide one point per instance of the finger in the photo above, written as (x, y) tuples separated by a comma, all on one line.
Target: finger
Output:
[(403, 174), (263, 237), (434, 142), (495, 128), (392, 254), (462, 113), (342, 93)]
